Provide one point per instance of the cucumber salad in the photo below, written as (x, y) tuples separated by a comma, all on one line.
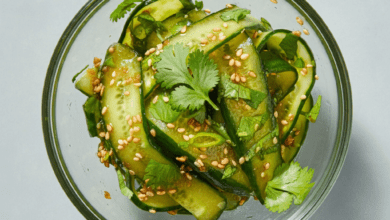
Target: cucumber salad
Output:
[(199, 111)]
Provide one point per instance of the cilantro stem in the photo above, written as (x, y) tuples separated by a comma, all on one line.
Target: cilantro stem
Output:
[(212, 104)]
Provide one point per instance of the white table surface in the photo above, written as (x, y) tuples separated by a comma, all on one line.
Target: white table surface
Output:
[(30, 29)]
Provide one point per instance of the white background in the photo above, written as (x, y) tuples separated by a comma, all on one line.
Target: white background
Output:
[(30, 29)]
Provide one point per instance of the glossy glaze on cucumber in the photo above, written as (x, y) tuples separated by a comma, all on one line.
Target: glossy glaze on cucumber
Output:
[(260, 167)]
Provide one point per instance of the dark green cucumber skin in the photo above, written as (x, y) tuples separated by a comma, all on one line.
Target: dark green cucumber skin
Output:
[(308, 91), (172, 150)]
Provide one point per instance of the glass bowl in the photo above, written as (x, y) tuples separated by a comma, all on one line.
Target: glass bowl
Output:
[(73, 154)]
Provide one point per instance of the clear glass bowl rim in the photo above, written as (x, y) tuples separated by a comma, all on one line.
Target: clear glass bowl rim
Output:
[(311, 16)]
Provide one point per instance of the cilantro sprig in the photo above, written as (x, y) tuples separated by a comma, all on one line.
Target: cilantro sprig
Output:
[(122, 9), (191, 91), (235, 14), (290, 182)]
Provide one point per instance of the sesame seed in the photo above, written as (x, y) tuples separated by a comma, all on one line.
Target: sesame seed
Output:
[(242, 201), (111, 50), (107, 136), (138, 155), (182, 158), (204, 41), (222, 37), (159, 46), (157, 53), (130, 122), (214, 38), (186, 138), (131, 172), (166, 99), (244, 56), (197, 128), (102, 134), (155, 99), (152, 211), (274, 1), (139, 58), (316, 77), (139, 118), (231, 62), (129, 139), (217, 29), (105, 69), (150, 62), (225, 161), (297, 33), (160, 193), (241, 160), (137, 84), (136, 140), (131, 131), (243, 79), (214, 163), (303, 97), (197, 164), (299, 20), (136, 129), (237, 78), (113, 74), (96, 60), (226, 57), (126, 93), (225, 151), (210, 35), (297, 133), (112, 82), (255, 34), (191, 136), (239, 52), (305, 31), (225, 25), (284, 122), (153, 132), (233, 77), (120, 147), (188, 176), (309, 66), (120, 142), (257, 127), (150, 193), (200, 162), (275, 140), (203, 156), (234, 163), (181, 130), (207, 11), (136, 158), (172, 191), (104, 110), (229, 6), (183, 29), (262, 174), (252, 74), (237, 63), (152, 50), (221, 166), (170, 125), (147, 53)]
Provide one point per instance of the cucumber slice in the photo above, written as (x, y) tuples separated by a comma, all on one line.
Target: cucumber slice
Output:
[(297, 136), (198, 31), (290, 107), (174, 145), (261, 155), (85, 82), (123, 100)]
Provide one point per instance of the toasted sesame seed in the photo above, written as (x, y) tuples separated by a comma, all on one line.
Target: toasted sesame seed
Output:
[(222, 37), (139, 59), (297, 33), (150, 62), (303, 97), (274, 1), (186, 138), (153, 132), (299, 20), (237, 78), (150, 193), (137, 84), (147, 53), (166, 99), (197, 128), (170, 125), (132, 172), (243, 79), (96, 60), (275, 140), (200, 162), (152, 50), (234, 163), (152, 211), (112, 82), (126, 93), (217, 29), (181, 130), (107, 137), (191, 136), (155, 99), (255, 34), (221, 166), (262, 174), (203, 156), (229, 6), (237, 63), (239, 52), (120, 142), (276, 114), (139, 118), (241, 160), (204, 41), (309, 66), (284, 122), (242, 201), (316, 77), (252, 74), (131, 131), (136, 158), (225, 161), (160, 193), (244, 56), (136, 129), (183, 29), (102, 134), (214, 163), (157, 53), (113, 74), (226, 57), (225, 25), (182, 158), (104, 110), (136, 140), (210, 35), (231, 62), (172, 191), (233, 77), (130, 122), (305, 31), (138, 155), (129, 139), (197, 164), (225, 151), (207, 11), (188, 176), (120, 147), (214, 38)]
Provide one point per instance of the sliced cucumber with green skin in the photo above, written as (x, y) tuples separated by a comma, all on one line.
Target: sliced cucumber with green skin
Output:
[(159, 10), (261, 40), (281, 75), (297, 136), (171, 140), (203, 201), (260, 166), (233, 200), (200, 29), (173, 25), (290, 107), (85, 82)]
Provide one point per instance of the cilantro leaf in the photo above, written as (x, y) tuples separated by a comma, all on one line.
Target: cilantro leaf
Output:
[(122, 9), (315, 111), (122, 185), (290, 45), (149, 24), (229, 171), (199, 5), (249, 125), (257, 97), (77, 74), (235, 14), (234, 91), (299, 63), (109, 62), (160, 174), (273, 63), (267, 26), (179, 25), (92, 115), (290, 182), (163, 111), (192, 91)]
